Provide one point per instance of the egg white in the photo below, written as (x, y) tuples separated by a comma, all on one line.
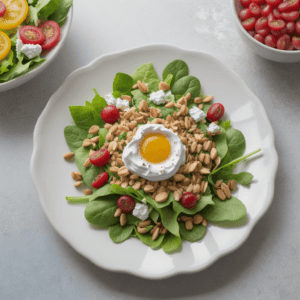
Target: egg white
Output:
[(136, 164)]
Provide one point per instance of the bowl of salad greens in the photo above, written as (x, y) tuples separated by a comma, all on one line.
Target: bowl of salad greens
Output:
[(88, 222), (32, 38)]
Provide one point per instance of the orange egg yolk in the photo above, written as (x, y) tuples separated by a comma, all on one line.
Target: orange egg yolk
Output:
[(155, 148)]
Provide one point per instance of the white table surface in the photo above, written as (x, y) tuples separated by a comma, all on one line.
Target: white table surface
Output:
[(36, 263)]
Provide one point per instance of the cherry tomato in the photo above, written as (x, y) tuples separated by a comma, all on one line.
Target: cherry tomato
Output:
[(100, 180), (100, 158), (290, 27), (297, 27), (251, 32), (31, 35), (290, 46), (261, 23), (259, 2), (2, 9), (255, 9), (110, 114), (126, 204), (51, 31), (281, 42), (188, 200), (276, 14), (246, 3), (277, 25), (274, 3), (245, 14), (249, 23), (290, 16), (270, 40), (259, 38), (289, 5), (271, 17), (264, 31), (266, 10), (215, 112), (296, 42)]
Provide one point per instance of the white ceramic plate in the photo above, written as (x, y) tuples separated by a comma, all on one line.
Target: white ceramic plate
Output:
[(51, 173), (49, 58)]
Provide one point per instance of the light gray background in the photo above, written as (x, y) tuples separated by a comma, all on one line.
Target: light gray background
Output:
[(36, 263)]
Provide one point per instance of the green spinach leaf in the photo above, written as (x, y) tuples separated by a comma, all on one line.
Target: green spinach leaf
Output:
[(169, 219), (145, 73), (123, 84), (229, 210), (177, 68), (236, 143), (194, 235), (119, 234), (147, 239), (185, 85), (101, 213), (171, 244)]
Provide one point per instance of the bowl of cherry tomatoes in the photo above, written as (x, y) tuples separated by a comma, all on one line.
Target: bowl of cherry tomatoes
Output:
[(270, 28)]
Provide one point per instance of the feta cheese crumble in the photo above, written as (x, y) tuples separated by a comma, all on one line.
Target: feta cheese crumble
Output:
[(19, 45), (158, 97), (214, 128), (110, 99), (141, 211), (29, 50), (197, 114), (122, 104), (144, 200)]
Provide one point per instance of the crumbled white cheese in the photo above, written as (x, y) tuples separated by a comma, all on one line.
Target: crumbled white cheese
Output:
[(110, 99), (19, 45), (144, 200), (214, 128), (141, 211), (31, 51), (158, 97), (168, 93), (197, 114), (122, 104)]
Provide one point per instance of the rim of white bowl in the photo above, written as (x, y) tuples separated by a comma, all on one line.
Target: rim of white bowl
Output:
[(237, 20), (47, 62)]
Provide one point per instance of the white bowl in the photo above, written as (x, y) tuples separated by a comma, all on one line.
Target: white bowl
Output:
[(51, 173), (283, 56), (49, 58)]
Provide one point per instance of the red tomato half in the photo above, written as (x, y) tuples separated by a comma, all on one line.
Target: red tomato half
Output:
[(277, 25), (264, 31), (270, 40), (2, 9), (246, 3), (290, 16), (215, 112), (289, 5), (100, 158), (290, 26), (245, 14), (296, 42), (297, 27), (255, 9), (31, 35), (267, 10), (51, 31), (100, 180), (274, 3), (261, 23), (249, 23)]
